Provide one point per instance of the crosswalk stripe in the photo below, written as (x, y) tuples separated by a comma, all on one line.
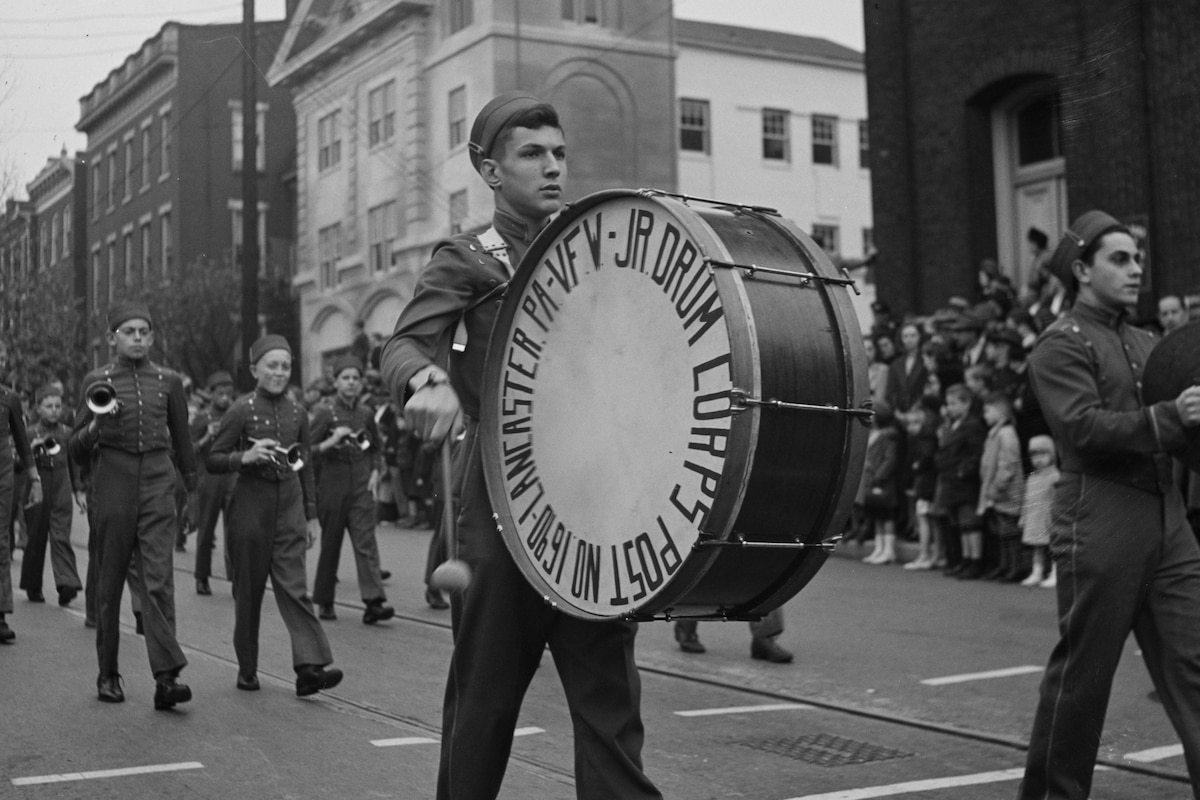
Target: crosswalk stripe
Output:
[(982, 676)]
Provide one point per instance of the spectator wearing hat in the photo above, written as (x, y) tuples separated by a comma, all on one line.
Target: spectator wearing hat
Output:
[(272, 519), (1126, 558), (1172, 313), (13, 438), (967, 333), (130, 447), (216, 489), (1004, 349), (501, 624), (346, 484), (50, 520)]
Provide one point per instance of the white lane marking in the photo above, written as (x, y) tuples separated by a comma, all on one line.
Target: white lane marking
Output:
[(527, 731), (711, 712), (982, 676), (1155, 753), (928, 785), (403, 741), (106, 773)]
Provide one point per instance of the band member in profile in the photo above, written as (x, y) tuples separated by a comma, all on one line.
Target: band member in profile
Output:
[(50, 520), (501, 624), (216, 490), (129, 444), (346, 491), (13, 437), (273, 518)]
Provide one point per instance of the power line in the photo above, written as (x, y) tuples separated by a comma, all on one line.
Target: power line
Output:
[(98, 17)]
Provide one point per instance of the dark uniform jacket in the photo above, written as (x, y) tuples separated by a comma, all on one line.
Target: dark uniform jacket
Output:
[(153, 415), (12, 423), (357, 417), (57, 470), (262, 415), (1086, 369)]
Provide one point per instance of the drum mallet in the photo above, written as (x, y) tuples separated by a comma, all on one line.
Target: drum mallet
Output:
[(452, 575)]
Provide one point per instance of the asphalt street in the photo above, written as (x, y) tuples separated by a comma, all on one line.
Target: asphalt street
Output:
[(905, 684)]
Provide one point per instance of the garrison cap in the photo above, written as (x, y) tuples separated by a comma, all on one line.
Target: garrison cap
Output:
[(49, 390), (342, 363), (1084, 231), (220, 378), (272, 341), (121, 312), (492, 119)]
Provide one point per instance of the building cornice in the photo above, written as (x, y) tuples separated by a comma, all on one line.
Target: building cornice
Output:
[(157, 54)]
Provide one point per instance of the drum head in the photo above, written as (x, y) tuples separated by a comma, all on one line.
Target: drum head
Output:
[(1174, 365), (610, 441)]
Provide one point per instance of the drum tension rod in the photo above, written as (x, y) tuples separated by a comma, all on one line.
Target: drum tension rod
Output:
[(828, 545), (805, 277), (740, 398), (689, 198)]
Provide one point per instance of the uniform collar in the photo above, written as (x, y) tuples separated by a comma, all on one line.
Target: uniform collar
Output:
[(1103, 315), (265, 395), (337, 399), (132, 363), (512, 228)]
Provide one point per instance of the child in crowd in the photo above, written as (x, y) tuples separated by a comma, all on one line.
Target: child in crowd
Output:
[(877, 491), (1035, 511), (50, 520), (956, 497), (1000, 488), (921, 424), (978, 379)]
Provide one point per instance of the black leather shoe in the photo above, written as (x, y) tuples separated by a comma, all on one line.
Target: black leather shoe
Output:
[(108, 688), (435, 600), (376, 611), (66, 594), (202, 587), (689, 642), (36, 596), (248, 682), (325, 611), (311, 679), (6, 633), (766, 649), (88, 622), (169, 692), (384, 574)]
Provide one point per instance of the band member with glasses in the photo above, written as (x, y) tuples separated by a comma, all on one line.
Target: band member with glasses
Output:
[(133, 414)]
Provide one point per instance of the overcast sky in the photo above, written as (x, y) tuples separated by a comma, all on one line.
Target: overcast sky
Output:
[(52, 52)]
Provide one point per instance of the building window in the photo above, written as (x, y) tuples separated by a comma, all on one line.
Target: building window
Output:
[(164, 128), (456, 111), (381, 113), (44, 244), (329, 141), (458, 210), (54, 223), (382, 229), (97, 189), (127, 243), (824, 140), (864, 144), (260, 136), (461, 13), (146, 150), (329, 250), (127, 170), (827, 237), (167, 244), (235, 208), (66, 232), (96, 266), (693, 125), (775, 135), (584, 12), (112, 269), (112, 178), (147, 262)]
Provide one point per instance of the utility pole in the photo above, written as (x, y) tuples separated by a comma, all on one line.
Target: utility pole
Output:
[(250, 254)]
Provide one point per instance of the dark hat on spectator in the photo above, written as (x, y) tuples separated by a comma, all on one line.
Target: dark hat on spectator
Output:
[(1084, 231), (48, 390), (272, 341), (1007, 336), (966, 322), (492, 119), (220, 378), (121, 312), (342, 363)]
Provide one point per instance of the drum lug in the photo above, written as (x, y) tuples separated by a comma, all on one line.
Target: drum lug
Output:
[(827, 545), (740, 400), (806, 278)]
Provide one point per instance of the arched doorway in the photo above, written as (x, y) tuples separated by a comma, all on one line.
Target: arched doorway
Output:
[(1030, 173)]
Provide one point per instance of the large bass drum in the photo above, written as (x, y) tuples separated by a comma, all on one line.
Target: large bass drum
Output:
[(674, 414)]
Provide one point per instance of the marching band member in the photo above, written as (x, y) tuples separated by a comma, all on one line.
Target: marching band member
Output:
[(216, 490), (272, 519), (12, 435)]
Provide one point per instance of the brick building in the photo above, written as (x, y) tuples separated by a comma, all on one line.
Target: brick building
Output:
[(991, 117), (58, 197), (164, 155)]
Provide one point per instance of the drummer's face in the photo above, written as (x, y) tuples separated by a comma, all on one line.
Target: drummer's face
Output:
[(529, 174)]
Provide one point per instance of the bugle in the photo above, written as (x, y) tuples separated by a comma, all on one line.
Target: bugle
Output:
[(102, 398)]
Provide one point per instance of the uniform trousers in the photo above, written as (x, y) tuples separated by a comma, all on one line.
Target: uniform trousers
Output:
[(213, 496), (7, 487), (342, 506), (50, 524), (1127, 561), (135, 525), (501, 628), (267, 536)]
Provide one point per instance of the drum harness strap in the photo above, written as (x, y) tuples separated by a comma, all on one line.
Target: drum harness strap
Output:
[(494, 245)]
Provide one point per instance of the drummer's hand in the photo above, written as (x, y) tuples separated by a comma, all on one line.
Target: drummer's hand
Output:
[(432, 412), (1188, 404)]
